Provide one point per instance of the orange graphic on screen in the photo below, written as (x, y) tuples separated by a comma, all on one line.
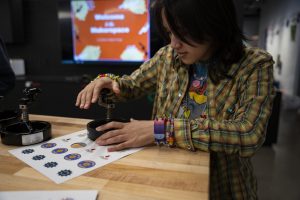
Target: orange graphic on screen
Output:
[(116, 30)]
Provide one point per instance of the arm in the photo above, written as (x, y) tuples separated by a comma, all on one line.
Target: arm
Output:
[(140, 82), (245, 132), (143, 80)]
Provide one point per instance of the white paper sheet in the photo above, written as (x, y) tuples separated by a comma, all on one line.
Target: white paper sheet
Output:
[(50, 195), (67, 157)]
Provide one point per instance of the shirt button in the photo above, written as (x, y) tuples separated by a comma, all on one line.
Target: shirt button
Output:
[(179, 94)]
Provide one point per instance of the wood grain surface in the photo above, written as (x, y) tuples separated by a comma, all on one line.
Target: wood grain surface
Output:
[(152, 173)]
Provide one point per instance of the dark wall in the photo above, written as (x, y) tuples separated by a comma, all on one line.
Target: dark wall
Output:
[(41, 51), (11, 18), (5, 24), (239, 6)]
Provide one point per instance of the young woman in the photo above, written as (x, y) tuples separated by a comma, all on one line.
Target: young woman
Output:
[(213, 93)]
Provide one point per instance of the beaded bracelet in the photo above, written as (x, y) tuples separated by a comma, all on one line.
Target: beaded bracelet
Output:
[(111, 76), (164, 132), (159, 131), (170, 136)]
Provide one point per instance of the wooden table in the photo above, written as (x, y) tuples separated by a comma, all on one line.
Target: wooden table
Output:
[(153, 173)]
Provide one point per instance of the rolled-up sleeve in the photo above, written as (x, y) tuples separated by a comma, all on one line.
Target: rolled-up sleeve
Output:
[(143, 80)]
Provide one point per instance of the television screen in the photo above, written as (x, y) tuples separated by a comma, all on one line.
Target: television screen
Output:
[(110, 30)]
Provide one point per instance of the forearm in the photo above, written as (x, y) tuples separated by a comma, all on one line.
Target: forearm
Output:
[(133, 88)]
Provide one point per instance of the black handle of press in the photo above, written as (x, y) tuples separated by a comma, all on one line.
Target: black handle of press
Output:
[(30, 95), (104, 95), (109, 104)]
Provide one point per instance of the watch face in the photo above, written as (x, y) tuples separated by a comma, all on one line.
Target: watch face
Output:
[(159, 136)]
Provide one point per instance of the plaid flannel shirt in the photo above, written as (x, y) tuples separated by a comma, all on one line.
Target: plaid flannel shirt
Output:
[(238, 112)]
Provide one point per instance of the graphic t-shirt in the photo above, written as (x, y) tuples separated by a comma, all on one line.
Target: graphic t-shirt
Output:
[(195, 101)]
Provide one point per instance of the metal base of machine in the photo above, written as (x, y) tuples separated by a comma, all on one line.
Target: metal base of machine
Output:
[(8, 117), (20, 134)]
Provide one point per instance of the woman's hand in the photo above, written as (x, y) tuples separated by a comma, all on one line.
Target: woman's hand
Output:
[(132, 134), (91, 92)]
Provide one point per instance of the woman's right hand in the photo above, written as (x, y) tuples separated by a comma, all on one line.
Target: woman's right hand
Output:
[(91, 92)]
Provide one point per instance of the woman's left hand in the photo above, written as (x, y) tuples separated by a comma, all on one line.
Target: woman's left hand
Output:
[(125, 135)]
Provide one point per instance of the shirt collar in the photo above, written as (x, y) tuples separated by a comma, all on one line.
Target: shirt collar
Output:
[(177, 61)]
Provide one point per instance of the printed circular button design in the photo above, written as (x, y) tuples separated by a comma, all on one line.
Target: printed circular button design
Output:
[(50, 164), (86, 164), (38, 157), (65, 172), (27, 151), (72, 156), (59, 150), (78, 145), (48, 145)]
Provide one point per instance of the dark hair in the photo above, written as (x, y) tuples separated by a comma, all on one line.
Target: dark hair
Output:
[(213, 21)]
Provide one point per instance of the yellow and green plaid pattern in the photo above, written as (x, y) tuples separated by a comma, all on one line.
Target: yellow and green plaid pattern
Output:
[(238, 112)]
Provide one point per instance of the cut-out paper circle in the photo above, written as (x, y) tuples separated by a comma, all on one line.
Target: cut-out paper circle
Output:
[(78, 145), (86, 164), (59, 150), (72, 156), (48, 145)]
